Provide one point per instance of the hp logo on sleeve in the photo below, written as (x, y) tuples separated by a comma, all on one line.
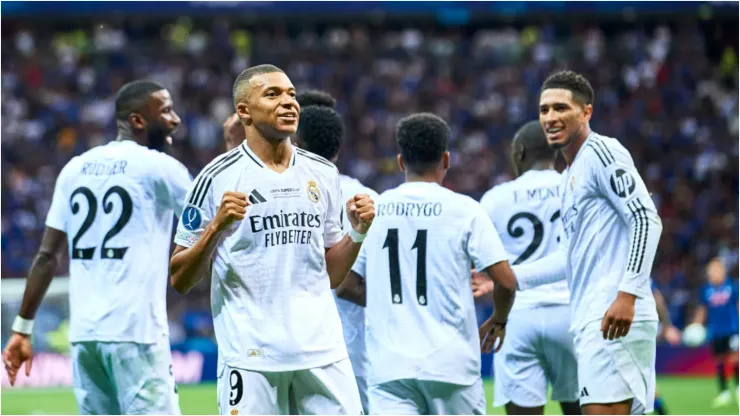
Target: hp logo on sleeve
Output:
[(623, 184), (191, 218)]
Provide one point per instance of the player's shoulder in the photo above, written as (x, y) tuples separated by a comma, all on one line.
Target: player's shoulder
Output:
[(606, 151), (223, 163), (464, 205), (315, 162)]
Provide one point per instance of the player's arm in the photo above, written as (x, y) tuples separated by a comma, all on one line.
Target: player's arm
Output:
[(669, 332), (543, 271), (616, 178), (197, 243), (700, 313), (353, 289), (341, 254)]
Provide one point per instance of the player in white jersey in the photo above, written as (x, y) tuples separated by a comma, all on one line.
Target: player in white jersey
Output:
[(264, 222), (413, 273), (321, 131), (539, 347), (114, 204), (611, 236)]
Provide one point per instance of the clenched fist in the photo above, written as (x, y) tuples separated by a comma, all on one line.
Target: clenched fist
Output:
[(361, 212), (233, 207)]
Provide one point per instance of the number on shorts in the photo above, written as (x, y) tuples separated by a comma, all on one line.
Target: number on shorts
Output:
[(237, 388)]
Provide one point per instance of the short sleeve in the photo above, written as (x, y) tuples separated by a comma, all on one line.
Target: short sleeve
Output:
[(173, 184), (56, 218), (197, 213), (361, 261), (484, 247), (333, 231)]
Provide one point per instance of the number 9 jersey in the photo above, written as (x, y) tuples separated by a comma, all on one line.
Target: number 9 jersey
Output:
[(416, 260), (116, 204), (526, 213)]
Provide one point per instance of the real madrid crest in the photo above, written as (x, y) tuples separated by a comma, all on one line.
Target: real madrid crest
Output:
[(313, 191)]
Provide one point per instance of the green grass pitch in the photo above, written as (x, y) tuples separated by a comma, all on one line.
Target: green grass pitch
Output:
[(681, 395)]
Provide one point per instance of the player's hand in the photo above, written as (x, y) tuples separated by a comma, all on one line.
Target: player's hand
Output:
[(618, 318), (17, 351), (672, 335), (234, 133), (233, 207), (361, 212), (489, 332), (482, 285)]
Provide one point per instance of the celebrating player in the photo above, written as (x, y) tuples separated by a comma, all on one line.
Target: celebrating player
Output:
[(718, 309), (611, 235), (539, 347), (413, 274), (321, 131), (104, 202), (264, 221)]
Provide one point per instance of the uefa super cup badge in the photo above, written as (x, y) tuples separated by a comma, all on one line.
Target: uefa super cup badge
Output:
[(313, 191)]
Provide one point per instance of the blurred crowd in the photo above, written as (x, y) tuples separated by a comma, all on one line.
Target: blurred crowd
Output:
[(669, 93)]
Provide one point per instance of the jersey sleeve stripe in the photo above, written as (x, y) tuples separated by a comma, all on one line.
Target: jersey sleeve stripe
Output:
[(640, 234), (607, 153), (202, 197), (598, 153), (643, 212), (203, 176), (316, 158)]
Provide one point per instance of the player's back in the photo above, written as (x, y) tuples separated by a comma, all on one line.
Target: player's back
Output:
[(416, 262), (721, 302), (526, 213), (116, 204)]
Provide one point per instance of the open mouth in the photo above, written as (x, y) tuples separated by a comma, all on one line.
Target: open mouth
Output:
[(288, 117)]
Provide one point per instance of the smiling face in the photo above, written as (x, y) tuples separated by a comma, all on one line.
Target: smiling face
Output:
[(562, 117), (160, 119), (270, 106)]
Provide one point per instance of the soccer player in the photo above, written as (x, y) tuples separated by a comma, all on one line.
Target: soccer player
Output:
[(611, 235), (264, 222), (539, 347), (413, 274), (718, 309), (321, 131), (114, 206)]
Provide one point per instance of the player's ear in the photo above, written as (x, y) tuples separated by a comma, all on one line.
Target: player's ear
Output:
[(243, 112), (588, 111), (400, 163), (137, 121), (446, 160)]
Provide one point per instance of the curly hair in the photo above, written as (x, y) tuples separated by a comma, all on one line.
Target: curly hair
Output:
[(576, 83), (316, 97), (320, 131), (422, 139)]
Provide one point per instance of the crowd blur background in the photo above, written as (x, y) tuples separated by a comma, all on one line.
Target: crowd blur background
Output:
[(666, 83)]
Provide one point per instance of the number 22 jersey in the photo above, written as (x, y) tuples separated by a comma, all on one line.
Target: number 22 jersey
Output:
[(416, 260), (116, 203)]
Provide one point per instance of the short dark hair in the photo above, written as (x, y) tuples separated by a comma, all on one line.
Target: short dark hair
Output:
[(422, 139), (531, 138), (132, 96), (576, 83), (243, 78), (316, 97), (321, 131)]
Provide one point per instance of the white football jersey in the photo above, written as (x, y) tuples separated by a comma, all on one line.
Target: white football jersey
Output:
[(416, 260), (116, 203), (352, 315), (612, 229), (272, 303), (526, 213)]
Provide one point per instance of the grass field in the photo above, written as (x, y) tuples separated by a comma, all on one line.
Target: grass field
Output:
[(682, 396)]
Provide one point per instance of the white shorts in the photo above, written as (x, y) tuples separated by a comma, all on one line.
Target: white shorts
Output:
[(329, 390), (124, 378), (538, 349), (422, 397), (614, 371)]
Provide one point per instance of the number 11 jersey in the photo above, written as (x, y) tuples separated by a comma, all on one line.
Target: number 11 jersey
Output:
[(416, 260), (116, 203)]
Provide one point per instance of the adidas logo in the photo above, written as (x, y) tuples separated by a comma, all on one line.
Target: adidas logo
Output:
[(584, 392), (255, 197)]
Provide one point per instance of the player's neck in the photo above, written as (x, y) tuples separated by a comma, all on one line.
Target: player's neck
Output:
[(571, 150), (432, 177), (125, 133), (275, 154), (541, 165)]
